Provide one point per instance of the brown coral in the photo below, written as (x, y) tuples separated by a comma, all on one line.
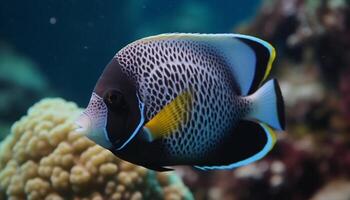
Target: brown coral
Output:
[(44, 158)]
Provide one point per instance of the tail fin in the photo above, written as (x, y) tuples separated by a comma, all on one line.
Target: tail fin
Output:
[(268, 105)]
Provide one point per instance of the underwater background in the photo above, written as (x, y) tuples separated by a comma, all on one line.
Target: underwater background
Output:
[(59, 49)]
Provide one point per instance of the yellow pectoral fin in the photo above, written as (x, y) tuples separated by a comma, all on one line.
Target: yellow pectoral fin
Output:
[(169, 119)]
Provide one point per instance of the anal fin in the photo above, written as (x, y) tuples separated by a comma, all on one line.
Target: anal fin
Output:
[(158, 168), (248, 142)]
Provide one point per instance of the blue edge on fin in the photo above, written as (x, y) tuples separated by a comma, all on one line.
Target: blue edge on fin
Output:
[(247, 161)]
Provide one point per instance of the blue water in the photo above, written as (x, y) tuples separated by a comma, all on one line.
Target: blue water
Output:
[(72, 41)]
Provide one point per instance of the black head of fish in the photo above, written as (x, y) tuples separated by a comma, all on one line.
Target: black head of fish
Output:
[(116, 113)]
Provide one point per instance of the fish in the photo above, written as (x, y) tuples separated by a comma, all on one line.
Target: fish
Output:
[(201, 100)]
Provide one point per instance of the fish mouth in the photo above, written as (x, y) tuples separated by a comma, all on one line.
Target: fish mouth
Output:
[(83, 124), (97, 134)]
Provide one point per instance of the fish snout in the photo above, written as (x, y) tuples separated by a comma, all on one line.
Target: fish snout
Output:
[(83, 124), (95, 133)]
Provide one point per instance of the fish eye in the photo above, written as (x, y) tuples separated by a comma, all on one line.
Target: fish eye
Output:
[(115, 100)]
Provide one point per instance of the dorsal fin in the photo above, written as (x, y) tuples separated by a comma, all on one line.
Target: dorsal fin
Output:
[(249, 58), (265, 55)]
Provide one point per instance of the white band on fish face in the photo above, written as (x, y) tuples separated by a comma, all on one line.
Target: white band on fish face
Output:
[(139, 126)]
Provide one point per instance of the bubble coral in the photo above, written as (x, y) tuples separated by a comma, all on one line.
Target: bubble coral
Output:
[(44, 158)]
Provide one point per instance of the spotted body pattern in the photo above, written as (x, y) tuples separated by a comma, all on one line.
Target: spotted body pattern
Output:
[(166, 67)]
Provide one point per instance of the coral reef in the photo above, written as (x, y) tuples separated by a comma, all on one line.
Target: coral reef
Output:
[(44, 158), (306, 28), (344, 87)]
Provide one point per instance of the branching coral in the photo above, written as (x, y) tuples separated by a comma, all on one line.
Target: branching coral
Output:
[(44, 158)]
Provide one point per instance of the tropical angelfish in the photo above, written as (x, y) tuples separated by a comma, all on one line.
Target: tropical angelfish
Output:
[(187, 99)]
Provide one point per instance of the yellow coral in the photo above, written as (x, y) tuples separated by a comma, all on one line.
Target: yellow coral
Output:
[(44, 158)]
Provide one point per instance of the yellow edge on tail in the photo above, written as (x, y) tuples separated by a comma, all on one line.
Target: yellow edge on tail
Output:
[(269, 64)]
